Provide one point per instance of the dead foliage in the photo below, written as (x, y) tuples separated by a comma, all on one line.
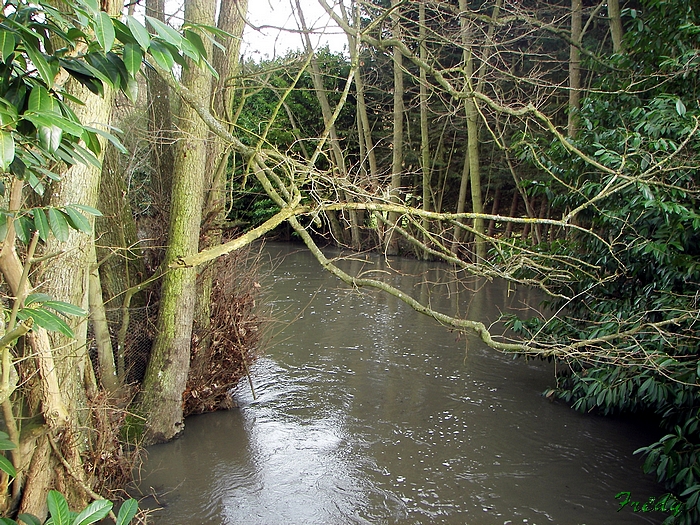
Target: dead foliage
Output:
[(110, 460), (222, 356)]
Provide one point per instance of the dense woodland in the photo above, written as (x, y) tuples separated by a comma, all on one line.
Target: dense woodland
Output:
[(553, 144)]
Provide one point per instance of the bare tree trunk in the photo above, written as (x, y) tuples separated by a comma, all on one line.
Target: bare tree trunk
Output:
[(424, 125), (511, 213), (472, 171), (327, 112), (494, 211), (616, 30), (575, 67), (364, 128), (103, 342), (161, 130), (225, 61), (391, 243), (166, 374)]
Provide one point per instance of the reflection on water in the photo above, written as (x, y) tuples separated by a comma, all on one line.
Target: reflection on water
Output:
[(370, 413)]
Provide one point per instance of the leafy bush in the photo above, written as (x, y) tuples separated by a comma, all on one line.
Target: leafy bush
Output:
[(59, 513)]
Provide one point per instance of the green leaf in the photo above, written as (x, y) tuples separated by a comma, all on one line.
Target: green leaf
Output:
[(127, 512), (50, 119), (23, 228), (139, 32), (95, 511), (59, 224), (8, 113), (77, 220), (65, 308), (58, 508), (104, 31), (50, 137), (161, 55), (29, 519), (92, 5), (196, 40), (41, 223), (92, 142), (211, 69), (133, 56), (7, 467), (7, 44), (45, 71), (84, 71), (105, 66), (191, 51), (36, 298), (46, 320), (110, 137), (8, 521), (166, 32), (3, 226), (41, 101), (85, 156), (6, 444), (680, 107), (118, 64), (87, 209), (7, 150), (132, 89)]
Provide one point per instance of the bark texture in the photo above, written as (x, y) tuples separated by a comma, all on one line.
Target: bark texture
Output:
[(166, 374)]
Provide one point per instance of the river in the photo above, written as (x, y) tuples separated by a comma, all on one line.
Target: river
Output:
[(367, 412)]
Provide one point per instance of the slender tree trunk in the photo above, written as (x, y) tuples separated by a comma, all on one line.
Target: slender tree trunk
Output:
[(426, 171), (392, 239), (511, 213), (494, 211), (364, 128), (161, 130), (461, 201), (166, 374), (121, 265), (327, 112), (103, 342), (475, 81), (616, 30), (575, 67), (225, 62)]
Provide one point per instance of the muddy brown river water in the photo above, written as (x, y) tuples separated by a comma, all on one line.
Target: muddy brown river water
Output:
[(367, 412)]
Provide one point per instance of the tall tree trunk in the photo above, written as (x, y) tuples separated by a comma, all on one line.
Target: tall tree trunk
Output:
[(225, 62), (121, 266), (66, 278), (392, 239), (160, 127), (166, 373), (616, 30), (327, 112), (364, 128), (471, 174), (426, 171), (575, 67), (105, 352)]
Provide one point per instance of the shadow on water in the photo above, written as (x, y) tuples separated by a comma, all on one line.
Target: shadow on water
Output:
[(370, 413)]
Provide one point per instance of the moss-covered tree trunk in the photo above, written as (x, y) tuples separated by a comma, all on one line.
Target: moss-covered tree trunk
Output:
[(166, 374)]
